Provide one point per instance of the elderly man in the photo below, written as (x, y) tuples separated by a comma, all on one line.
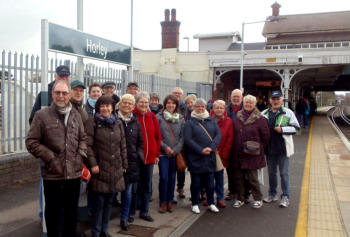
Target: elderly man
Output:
[(232, 108), (108, 89), (283, 124), (62, 73), (179, 93), (57, 138), (132, 88), (76, 99)]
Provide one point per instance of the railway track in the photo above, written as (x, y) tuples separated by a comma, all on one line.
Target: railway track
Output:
[(340, 117)]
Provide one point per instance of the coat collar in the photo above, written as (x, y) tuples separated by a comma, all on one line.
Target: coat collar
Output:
[(255, 115)]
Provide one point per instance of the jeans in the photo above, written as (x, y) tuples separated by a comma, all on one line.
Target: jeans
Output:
[(219, 185), (167, 178), (101, 204), (208, 180), (282, 162), (61, 205), (127, 196), (144, 188), (300, 118)]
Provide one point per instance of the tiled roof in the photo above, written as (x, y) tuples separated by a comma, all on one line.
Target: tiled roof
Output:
[(315, 22)]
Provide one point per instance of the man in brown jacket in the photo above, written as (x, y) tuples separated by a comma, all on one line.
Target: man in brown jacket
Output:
[(57, 137)]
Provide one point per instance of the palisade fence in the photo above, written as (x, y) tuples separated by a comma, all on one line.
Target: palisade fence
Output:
[(20, 82)]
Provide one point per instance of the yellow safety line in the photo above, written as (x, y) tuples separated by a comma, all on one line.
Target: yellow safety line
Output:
[(301, 228)]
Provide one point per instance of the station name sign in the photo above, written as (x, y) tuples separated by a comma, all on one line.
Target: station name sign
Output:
[(86, 45)]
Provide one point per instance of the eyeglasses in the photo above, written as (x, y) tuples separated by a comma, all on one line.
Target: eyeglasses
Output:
[(64, 93), (127, 103)]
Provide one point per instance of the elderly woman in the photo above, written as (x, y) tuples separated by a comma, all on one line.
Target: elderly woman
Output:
[(189, 101), (95, 92), (134, 142), (202, 137), (251, 137), (154, 105), (107, 160), (226, 127), (171, 125), (151, 151)]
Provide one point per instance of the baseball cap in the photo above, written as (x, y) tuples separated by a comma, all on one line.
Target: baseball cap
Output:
[(276, 94), (109, 84), (77, 83), (62, 71), (132, 83)]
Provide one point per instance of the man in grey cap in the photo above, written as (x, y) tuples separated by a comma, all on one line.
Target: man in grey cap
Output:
[(76, 99), (109, 88), (283, 124), (62, 73)]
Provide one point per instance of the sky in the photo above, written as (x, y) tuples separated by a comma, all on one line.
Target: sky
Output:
[(110, 19)]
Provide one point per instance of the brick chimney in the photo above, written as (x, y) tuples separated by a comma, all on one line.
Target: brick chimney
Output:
[(170, 30), (276, 9)]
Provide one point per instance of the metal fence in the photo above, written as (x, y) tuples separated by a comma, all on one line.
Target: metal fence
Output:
[(20, 77)]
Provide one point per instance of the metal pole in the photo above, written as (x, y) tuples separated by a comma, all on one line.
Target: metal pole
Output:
[(80, 26), (44, 61), (131, 74), (242, 58)]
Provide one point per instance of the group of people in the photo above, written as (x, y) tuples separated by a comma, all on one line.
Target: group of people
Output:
[(120, 140)]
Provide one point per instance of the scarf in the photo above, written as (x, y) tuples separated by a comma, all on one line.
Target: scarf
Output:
[(125, 118), (107, 121), (201, 116), (65, 111), (173, 118), (92, 103), (246, 114)]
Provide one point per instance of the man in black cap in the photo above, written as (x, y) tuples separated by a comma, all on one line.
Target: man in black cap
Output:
[(109, 88), (76, 99), (283, 124), (132, 88), (62, 73)]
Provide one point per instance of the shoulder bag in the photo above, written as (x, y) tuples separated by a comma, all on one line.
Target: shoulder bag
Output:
[(219, 165), (180, 159)]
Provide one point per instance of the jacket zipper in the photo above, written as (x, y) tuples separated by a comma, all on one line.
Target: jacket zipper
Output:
[(144, 124)]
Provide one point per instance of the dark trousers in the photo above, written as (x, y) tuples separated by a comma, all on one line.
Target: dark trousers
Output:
[(251, 177), (206, 179), (61, 204), (144, 189), (167, 177), (181, 179), (101, 212)]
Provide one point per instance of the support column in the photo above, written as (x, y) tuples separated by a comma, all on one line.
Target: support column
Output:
[(286, 78)]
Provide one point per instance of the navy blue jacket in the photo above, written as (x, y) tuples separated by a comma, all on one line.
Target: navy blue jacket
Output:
[(196, 140)]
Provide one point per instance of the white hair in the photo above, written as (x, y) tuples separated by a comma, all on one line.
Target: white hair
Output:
[(178, 88), (250, 98), (219, 102), (200, 101), (237, 91), (140, 95), (128, 97)]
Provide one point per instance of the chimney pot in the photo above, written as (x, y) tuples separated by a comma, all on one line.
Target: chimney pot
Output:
[(173, 14), (276, 9), (166, 13)]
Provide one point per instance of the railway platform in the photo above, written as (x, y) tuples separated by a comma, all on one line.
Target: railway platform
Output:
[(320, 182)]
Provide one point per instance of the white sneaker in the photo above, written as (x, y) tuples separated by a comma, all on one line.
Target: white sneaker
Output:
[(284, 202), (270, 199), (238, 204), (213, 208), (257, 204), (195, 209)]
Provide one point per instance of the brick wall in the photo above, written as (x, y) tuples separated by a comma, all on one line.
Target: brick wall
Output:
[(18, 168)]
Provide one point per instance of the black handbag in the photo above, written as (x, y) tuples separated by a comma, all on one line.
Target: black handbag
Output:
[(251, 148)]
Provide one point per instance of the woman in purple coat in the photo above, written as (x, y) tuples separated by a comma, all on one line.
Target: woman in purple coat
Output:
[(251, 137)]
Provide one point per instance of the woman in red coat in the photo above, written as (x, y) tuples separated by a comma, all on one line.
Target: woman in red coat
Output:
[(151, 150), (250, 126), (226, 127)]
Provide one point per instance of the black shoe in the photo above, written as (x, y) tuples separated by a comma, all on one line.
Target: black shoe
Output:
[(124, 225), (103, 234), (147, 218), (174, 202), (131, 219)]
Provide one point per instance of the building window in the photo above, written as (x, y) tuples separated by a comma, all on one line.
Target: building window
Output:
[(313, 46), (320, 45), (290, 46), (337, 44), (297, 46), (305, 46), (345, 44), (275, 47), (329, 45), (268, 47), (283, 46)]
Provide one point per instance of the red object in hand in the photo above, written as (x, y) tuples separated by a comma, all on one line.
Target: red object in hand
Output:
[(85, 174)]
